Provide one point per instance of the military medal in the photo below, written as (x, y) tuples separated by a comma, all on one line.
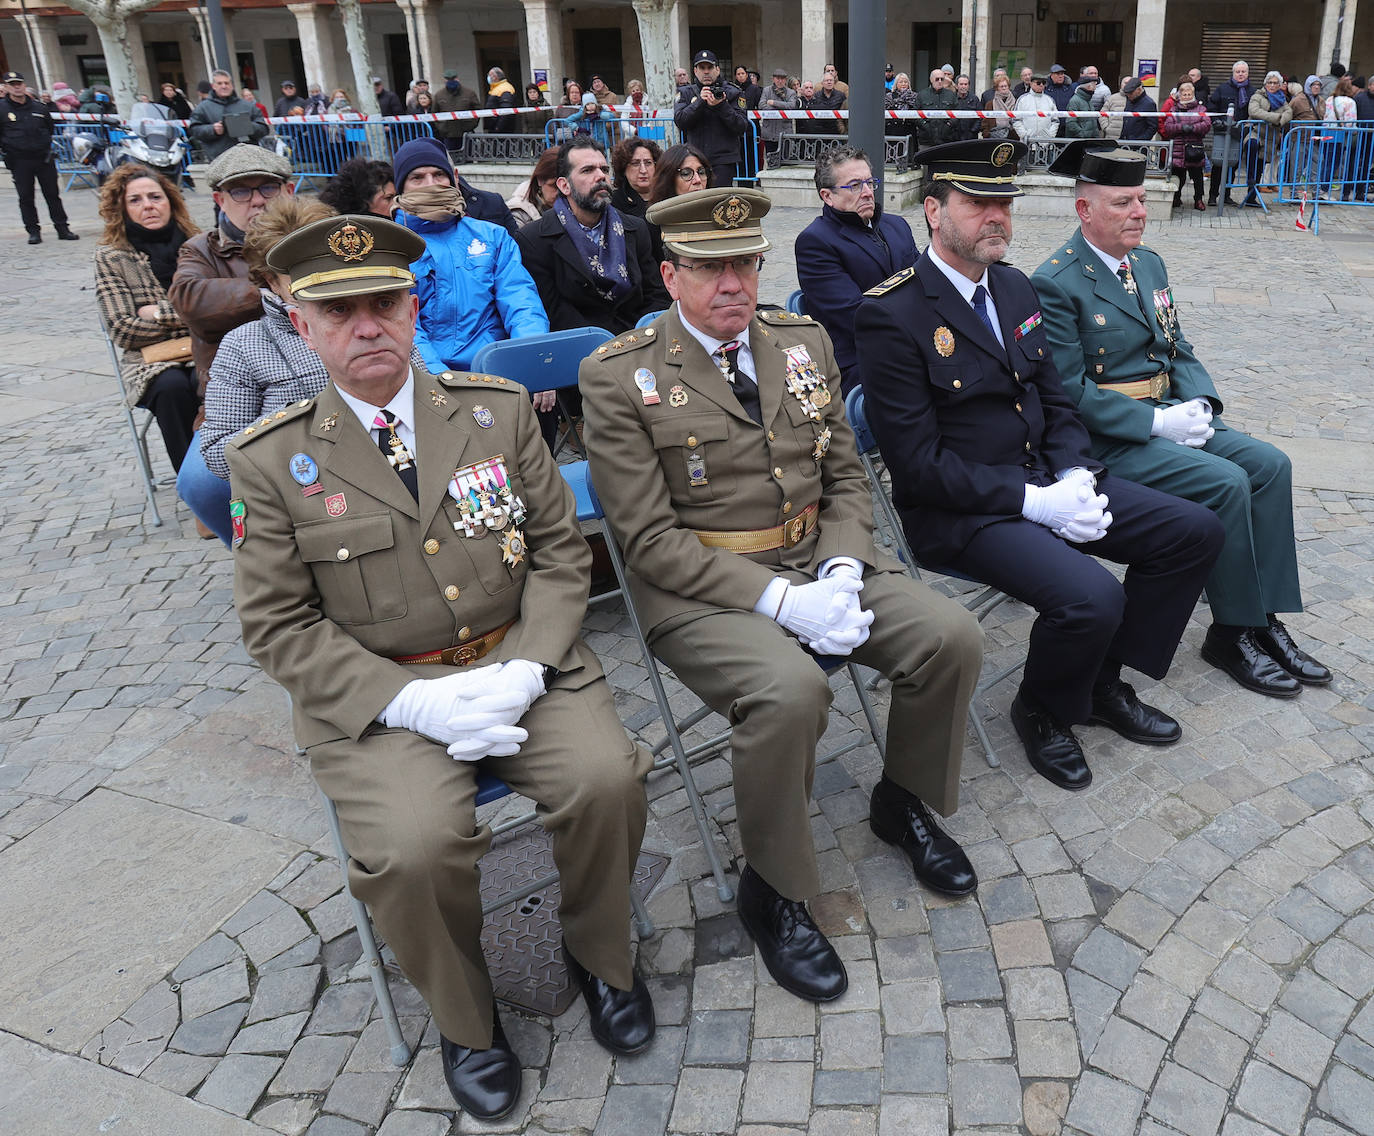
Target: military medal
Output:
[(438, 399), (647, 384), (330, 422), (483, 417), (400, 457), (1167, 314), (696, 468), (303, 469), (822, 446), (675, 349), (805, 383), (513, 547), (1028, 326), (1099, 319), (677, 396), (485, 499), (944, 341), (238, 518), (336, 506)]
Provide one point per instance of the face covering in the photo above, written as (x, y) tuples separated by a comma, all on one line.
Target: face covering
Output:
[(435, 203), (451, 85)]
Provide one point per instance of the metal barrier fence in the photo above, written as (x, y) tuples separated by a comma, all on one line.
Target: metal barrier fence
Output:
[(318, 149), (69, 166), (1327, 162)]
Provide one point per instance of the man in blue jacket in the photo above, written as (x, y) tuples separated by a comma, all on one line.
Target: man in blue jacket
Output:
[(472, 286), (849, 248)]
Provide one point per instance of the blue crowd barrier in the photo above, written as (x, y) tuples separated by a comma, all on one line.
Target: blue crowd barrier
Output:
[(68, 165), (318, 149)]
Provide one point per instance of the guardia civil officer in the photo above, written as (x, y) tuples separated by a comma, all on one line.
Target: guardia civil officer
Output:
[(26, 145), (719, 446), (994, 479), (408, 566), (1154, 414)]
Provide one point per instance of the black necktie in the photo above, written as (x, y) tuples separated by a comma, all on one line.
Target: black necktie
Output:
[(980, 305), (746, 391), (400, 458)]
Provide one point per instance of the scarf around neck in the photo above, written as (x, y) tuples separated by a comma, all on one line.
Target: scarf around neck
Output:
[(160, 246), (434, 203), (602, 249)]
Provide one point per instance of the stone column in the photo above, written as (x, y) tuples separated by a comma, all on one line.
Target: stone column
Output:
[(143, 78), (207, 48), (1149, 42), (422, 31), (975, 32), (544, 34), (1330, 15), (817, 38), (42, 43), (317, 48), (207, 42)]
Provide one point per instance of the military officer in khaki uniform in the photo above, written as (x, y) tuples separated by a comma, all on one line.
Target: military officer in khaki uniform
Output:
[(719, 447), (409, 567)]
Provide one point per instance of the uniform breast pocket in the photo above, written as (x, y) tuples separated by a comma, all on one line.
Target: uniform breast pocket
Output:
[(1101, 345), (355, 567), (1034, 347), (954, 382), (693, 454)]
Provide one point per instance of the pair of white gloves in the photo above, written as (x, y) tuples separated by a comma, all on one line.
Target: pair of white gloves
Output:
[(1071, 508), (825, 613), (472, 712), (1188, 424)]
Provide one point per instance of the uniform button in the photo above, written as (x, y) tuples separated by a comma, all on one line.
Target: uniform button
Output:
[(1102, 351), (448, 374), (452, 592), (1027, 447), (431, 546), (464, 634), (1018, 408), (958, 385), (777, 472), (692, 440), (1151, 355), (342, 554), (786, 507), (1016, 375), (772, 437), (1040, 351)]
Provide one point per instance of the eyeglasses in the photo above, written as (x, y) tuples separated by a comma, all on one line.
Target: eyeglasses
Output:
[(266, 191), (690, 173), (711, 271), (859, 185), (641, 163)]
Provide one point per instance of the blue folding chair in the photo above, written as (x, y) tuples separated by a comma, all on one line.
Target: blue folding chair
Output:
[(649, 317), (796, 303)]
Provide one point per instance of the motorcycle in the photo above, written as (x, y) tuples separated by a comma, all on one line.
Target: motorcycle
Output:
[(150, 140)]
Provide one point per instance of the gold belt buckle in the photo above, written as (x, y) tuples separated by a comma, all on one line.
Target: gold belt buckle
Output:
[(793, 531), (462, 656), (1159, 387)]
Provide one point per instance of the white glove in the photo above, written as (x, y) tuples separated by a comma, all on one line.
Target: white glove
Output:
[(1082, 532), (492, 741), (424, 705), (812, 610), (1054, 506), (526, 678), (1189, 423)]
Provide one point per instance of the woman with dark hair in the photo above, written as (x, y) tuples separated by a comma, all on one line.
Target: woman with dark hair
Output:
[(534, 123), (681, 169), (572, 100), (633, 162), (424, 102), (361, 186), (535, 197), (146, 223)]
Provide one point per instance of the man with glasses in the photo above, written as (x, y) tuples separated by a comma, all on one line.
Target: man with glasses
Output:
[(850, 247), (710, 117), (224, 119), (26, 145), (718, 444), (1028, 124)]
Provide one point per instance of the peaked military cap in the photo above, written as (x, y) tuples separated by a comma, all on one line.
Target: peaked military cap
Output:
[(1086, 159), (713, 223), (347, 256), (979, 167)]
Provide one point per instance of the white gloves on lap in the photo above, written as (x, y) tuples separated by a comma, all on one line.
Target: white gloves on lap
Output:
[(1071, 508), (1188, 424), (825, 614), (474, 713)]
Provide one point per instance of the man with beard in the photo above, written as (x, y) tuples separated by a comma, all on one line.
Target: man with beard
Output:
[(995, 479), (590, 262), (850, 247)]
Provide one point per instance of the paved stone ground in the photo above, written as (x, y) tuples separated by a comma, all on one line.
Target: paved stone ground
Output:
[(1185, 948)]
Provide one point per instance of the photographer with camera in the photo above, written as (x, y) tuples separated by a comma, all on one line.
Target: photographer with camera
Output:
[(709, 115)]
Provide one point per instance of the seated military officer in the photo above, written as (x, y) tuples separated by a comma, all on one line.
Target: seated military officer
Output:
[(720, 449), (408, 565), (1153, 413), (993, 477)]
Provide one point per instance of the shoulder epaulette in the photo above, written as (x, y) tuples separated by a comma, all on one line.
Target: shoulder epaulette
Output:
[(1058, 260), (271, 422), (894, 281), (628, 341), (777, 316), (456, 379)]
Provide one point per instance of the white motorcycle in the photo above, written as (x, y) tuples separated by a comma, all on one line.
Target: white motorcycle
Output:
[(151, 140)]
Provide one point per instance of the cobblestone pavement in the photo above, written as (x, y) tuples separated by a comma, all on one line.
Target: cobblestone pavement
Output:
[(1185, 948)]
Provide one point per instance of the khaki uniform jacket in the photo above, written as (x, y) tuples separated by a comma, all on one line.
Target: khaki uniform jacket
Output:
[(326, 601), (755, 477)]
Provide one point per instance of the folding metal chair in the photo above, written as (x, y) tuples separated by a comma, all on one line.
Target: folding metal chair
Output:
[(648, 317), (545, 362), (796, 302), (589, 509), (980, 603), (138, 430)]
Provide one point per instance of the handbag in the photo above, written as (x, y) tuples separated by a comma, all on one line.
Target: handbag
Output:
[(168, 351), (1193, 153)]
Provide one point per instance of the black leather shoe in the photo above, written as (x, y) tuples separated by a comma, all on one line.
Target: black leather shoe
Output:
[(1118, 708), (903, 819), (68, 235), (484, 1082), (622, 1020), (1249, 664), (800, 958), (35, 238), (1052, 749), (1275, 642)]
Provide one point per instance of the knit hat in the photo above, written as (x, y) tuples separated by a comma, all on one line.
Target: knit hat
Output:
[(417, 154)]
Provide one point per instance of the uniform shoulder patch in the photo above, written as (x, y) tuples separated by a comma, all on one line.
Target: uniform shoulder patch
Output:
[(458, 379), (626, 341), (894, 281), (271, 422)]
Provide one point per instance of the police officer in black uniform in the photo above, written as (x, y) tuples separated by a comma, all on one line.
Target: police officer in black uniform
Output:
[(26, 144), (711, 115)]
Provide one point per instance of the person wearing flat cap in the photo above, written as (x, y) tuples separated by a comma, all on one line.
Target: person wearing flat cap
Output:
[(1113, 325), (995, 480), (408, 565), (719, 446)]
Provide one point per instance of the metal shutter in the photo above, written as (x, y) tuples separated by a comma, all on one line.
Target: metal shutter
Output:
[(1224, 44)]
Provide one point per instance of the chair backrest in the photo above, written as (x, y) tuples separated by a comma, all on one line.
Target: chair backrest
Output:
[(648, 317), (796, 303), (579, 480), (858, 420), (541, 362)]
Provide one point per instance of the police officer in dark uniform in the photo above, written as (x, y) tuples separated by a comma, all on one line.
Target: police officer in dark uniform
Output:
[(26, 144), (711, 115), (994, 475)]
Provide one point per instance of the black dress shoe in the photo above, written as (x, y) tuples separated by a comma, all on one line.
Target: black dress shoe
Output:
[(1249, 664), (900, 818), (1118, 708), (68, 235), (622, 1020), (484, 1082), (35, 238), (800, 958), (1275, 642), (1052, 749)]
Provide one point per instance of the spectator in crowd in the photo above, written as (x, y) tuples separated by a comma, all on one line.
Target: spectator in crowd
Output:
[(1236, 91), (1002, 101), (1364, 113), (777, 96), (362, 185), (339, 102), (64, 98), (534, 123), (750, 91), (1029, 125), (935, 98), (146, 223), (591, 263), (100, 102), (902, 97), (1060, 91), (633, 161), (1271, 112), (1100, 90), (388, 101), (889, 77), (315, 102), (1202, 86), (1138, 102), (172, 98), (1364, 98), (203, 91), (1023, 86), (633, 109), (212, 294), (985, 97), (965, 99), (829, 69), (536, 197), (248, 97), (500, 96), (604, 95), (1329, 81), (1186, 128), (828, 99), (424, 103), (710, 118), (1082, 104), (681, 169), (224, 119), (1309, 106), (849, 248), (806, 98), (289, 100), (593, 119), (417, 87), (26, 132), (1116, 102), (682, 78), (453, 96), (572, 99), (1340, 149)]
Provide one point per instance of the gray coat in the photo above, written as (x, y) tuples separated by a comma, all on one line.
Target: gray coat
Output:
[(774, 128)]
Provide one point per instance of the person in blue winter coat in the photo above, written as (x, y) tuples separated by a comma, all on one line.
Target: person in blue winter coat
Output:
[(473, 287)]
